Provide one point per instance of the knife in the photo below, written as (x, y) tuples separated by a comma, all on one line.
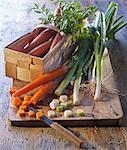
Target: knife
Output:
[(65, 132)]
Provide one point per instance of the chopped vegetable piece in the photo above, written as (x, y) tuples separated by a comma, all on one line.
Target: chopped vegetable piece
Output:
[(55, 100), (60, 108), (68, 113), (27, 103), (16, 101), (42, 80), (53, 104), (13, 90), (39, 115), (63, 98), (80, 112), (51, 113), (69, 104), (31, 114), (21, 113), (41, 93), (64, 104), (27, 98), (23, 107)]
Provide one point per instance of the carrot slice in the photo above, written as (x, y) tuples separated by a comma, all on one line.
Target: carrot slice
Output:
[(41, 92), (23, 107), (41, 38), (21, 113), (39, 115), (41, 80), (42, 49), (27, 103), (16, 101), (57, 38), (31, 114), (13, 90)]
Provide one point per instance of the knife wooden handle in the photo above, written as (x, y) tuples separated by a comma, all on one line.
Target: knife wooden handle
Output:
[(68, 134)]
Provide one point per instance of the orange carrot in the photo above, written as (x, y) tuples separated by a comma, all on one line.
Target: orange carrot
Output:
[(27, 98), (31, 114), (23, 107), (16, 101), (39, 115), (13, 90), (42, 80), (26, 103), (57, 38), (21, 113), (41, 38), (44, 89), (42, 49)]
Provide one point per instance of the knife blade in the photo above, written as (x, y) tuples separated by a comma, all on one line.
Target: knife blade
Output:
[(63, 131)]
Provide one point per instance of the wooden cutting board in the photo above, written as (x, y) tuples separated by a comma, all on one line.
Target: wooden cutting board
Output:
[(104, 112)]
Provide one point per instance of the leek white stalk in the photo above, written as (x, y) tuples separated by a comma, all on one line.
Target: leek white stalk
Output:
[(99, 50), (76, 97), (94, 73), (83, 67)]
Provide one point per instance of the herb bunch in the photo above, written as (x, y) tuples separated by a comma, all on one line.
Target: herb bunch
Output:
[(72, 18)]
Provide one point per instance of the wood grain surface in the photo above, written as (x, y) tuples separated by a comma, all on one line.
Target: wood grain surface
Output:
[(16, 19)]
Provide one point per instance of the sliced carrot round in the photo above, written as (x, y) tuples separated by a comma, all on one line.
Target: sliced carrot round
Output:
[(31, 114), (27, 103), (21, 113), (39, 115), (23, 107)]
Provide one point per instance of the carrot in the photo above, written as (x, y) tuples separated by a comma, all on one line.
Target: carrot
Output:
[(26, 103), (41, 80), (13, 90), (31, 114), (57, 38), (27, 98), (16, 101), (21, 113), (42, 49), (23, 107), (41, 38), (39, 115), (44, 89)]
